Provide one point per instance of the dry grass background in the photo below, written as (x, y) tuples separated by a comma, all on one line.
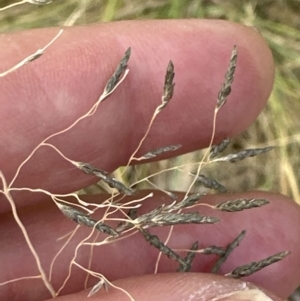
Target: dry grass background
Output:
[(278, 124)]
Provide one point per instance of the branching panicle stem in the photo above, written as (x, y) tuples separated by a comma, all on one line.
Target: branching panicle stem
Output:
[(164, 215)]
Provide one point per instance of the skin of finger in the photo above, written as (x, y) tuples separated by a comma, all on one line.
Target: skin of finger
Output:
[(270, 229), (188, 286), (48, 94)]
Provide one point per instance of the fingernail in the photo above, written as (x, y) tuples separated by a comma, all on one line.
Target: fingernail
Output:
[(244, 295)]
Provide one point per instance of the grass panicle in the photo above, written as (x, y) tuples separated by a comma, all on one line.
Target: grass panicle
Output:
[(131, 223)]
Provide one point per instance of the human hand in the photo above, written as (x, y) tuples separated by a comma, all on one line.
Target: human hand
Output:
[(50, 93)]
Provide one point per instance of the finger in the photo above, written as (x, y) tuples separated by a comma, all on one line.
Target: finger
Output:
[(48, 94), (133, 256), (188, 286)]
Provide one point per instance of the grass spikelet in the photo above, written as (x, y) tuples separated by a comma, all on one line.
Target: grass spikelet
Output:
[(229, 76), (214, 250), (253, 267), (101, 283), (115, 78), (103, 175), (189, 259), (246, 153), (168, 87), (187, 202), (211, 183), (228, 251), (241, 204), (156, 152), (81, 218), (219, 148), (168, 219), (164, 249)]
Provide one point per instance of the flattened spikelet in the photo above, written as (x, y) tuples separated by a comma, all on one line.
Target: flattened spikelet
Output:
[(112, 82), (229, 76), (97, 287), (219, 148), (211, 183), (253, 267), (155, 242), (103, 175), (189, 259), (187, 202), (168, 87), (183, 218), (246, 153), (168, 219), (214, 250), (228, 251), (241, 204), (83, 219), (158, 151), (132, 214)]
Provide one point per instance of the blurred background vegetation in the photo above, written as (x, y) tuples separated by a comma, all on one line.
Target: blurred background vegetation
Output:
[(278, 124)]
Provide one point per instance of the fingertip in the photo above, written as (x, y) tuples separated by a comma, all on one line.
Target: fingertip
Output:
[(177, 287), (262, 59), (133, 256), (49, 94)]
